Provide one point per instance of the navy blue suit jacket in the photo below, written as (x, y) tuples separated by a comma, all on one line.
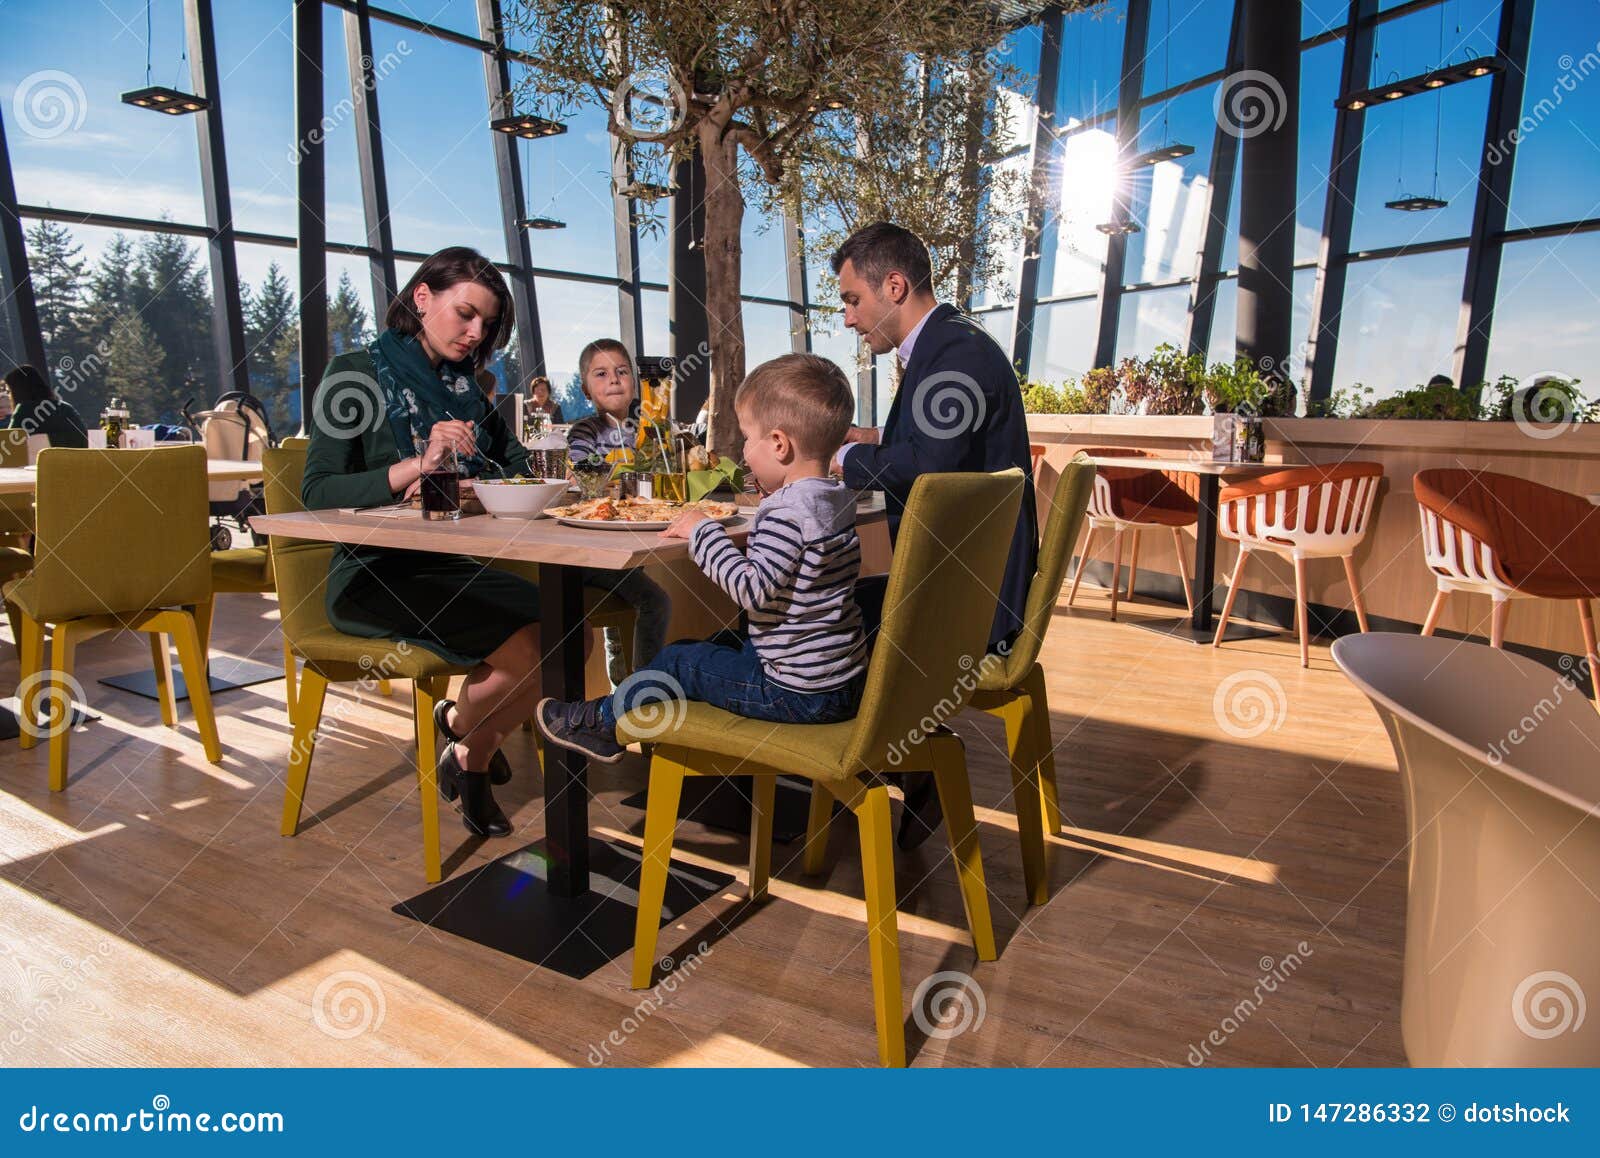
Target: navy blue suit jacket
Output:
[(958, 408)]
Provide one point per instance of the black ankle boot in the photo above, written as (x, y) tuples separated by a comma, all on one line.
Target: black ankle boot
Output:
[(499, 766), (479, 812)]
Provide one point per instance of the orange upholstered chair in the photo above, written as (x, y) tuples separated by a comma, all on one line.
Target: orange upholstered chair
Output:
[(1509, 538), (1310, 512), (1130, 500)]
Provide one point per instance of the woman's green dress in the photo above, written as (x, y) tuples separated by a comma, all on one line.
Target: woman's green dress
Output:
[(455, 606)]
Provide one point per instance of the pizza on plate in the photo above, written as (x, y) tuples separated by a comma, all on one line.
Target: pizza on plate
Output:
[(606, 510)]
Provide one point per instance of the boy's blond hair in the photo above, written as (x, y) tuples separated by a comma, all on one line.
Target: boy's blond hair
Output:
[(805, 396)]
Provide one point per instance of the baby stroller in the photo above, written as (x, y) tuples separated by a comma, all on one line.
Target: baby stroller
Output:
[(236, 428)]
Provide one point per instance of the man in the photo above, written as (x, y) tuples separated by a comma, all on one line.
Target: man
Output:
[(958, 408)]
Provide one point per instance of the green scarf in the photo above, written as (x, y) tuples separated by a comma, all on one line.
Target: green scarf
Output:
[(417, 395)]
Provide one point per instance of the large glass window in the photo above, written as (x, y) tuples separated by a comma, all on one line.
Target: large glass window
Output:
[(1150, 318), (766, 333), (1073, 257), (1399, 323), (568, 177), (1453, 30), (1405, 143), (255, 51), (1544, 319), (269, 284), (1188, 38), (1064, 335), (1557, 161), (73, 143), (571, 315), (437, 150), (763, 270), (1318, 16), (1020, 52), (1171, 199), (1091, 62), (999, 323), (456, 15)]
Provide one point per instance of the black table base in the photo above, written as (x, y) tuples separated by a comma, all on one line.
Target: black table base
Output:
[(227, 673), (10, 729), (1183, 628), (509, 906)]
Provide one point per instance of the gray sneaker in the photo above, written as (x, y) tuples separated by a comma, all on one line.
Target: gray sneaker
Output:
[(578, 726)]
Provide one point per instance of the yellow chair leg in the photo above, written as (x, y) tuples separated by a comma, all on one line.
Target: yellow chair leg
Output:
[(198, 680), (62, 645), (763, 800), (424, 694), (161, 662), (30, 657), (877, 870), (1021, 734), (308, 714), (1049, 790), (204, 614), (385, 688), (955, 797), (816, 847), (290, 678), (660, 822)]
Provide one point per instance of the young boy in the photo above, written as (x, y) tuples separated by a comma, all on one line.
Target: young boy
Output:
[(606, 372), (805, 659)]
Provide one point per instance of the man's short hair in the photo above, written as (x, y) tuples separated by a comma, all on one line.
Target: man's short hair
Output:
[(805, 396), (882, 248)]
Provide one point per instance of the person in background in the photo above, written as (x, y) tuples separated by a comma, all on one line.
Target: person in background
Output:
[(606, 371), (539, 399), (36, 409), (805, 658)]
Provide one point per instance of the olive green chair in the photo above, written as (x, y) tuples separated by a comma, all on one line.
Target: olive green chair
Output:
[(121, 543), (16, 522), (938, 608), (300, 570), (1012, 687)]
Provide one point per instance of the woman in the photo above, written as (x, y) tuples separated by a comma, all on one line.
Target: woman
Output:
[(414, 387), (36, 409), (539, 399)]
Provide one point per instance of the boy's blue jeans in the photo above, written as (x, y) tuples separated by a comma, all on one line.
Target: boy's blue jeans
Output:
[(726, 672), (652, 608)]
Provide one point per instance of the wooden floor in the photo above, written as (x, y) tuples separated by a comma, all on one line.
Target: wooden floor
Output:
[(1227, 807)]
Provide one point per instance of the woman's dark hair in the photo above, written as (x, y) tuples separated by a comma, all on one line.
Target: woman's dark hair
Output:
[(439, 272), (882, 248), (27, 385)]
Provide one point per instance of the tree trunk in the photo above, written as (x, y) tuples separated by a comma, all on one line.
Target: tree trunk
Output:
[(724, 265)]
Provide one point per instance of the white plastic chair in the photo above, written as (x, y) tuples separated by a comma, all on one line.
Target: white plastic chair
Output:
[(1310, 512)]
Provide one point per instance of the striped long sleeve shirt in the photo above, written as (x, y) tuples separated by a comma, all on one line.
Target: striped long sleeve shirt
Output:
[(796, 582), (599, 435)]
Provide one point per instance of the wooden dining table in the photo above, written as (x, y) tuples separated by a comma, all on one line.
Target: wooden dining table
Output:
[(24, 480), (1200, 626), (562, 553)]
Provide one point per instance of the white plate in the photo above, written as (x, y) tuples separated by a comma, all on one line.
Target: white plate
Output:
[(625, 525)]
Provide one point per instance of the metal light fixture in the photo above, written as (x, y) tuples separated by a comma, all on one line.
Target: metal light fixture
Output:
[(165, 100), (1119, 228), (1165, 153), (540, 223), (527, 126), (1415, 204), (1423, 82), (645, 191)]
